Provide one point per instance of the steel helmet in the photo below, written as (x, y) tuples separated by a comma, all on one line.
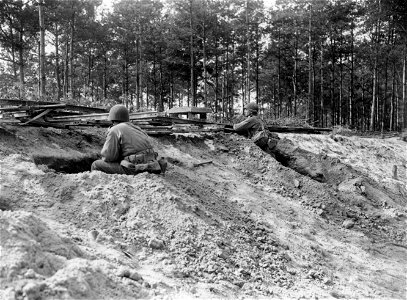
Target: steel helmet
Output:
[(253, 107), (119, 113)]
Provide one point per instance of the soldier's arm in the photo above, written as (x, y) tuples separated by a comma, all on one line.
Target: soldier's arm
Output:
[(243, 126), (111, 149)]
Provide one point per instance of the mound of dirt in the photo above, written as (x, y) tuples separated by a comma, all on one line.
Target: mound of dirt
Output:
[(324, 219)]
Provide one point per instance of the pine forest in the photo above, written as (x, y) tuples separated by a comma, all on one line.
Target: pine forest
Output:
[(328, 62)]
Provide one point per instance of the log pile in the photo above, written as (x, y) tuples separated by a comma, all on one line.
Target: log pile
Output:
[(59, 115)]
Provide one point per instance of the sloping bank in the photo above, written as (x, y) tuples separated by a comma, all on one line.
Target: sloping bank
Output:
[(240, 225)]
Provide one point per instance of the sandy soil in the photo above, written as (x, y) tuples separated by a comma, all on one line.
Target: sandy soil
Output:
[(241, 225)]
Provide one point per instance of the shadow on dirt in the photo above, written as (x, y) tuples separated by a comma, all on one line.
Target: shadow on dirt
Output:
[(64, 164)]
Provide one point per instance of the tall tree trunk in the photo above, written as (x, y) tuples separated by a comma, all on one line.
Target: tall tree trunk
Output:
[(216, 77), (13, 60), (363, 114), (373, 113), (57, 70), (321, 96), (92, 93), (332, 92), (392, 99), (243, 84), (147, 93), (191, 45), (274, 98), (105, 76), (374, 96), (21, 67), (295, 68), (258, 68), (161, 101), (155, 80), (223, 91), (397, 106), (138, 102), (204, 66), (88, 81), (340, 89), (71, 71), (247, 53), (42, 50), (66, 71), (375, 77), (230, 83), (140, 73), (404, 102), (314, 103), (310, 92), (280, 100), (352, 75), (227, 99), (383, 111), (172, 93), (386, 78)]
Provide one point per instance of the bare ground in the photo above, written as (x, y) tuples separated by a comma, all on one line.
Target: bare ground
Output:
[(325, 219)]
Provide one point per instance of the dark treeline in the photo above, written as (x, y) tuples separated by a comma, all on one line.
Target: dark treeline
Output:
[(328, 62)]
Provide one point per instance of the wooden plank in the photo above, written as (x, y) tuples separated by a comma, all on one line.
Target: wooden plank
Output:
[(189, 109), (77, 118), (158, 132), (14, 115), (153, 127), (305, 130), (46, 124), (97, 123), (134, 117), (297, 129), (145, 114), (180, 121), (17, 102), (45, 112), (105, 116), (30, 108), (9, 121)]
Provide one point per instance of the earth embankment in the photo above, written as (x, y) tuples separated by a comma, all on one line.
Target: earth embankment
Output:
[(324, 219)]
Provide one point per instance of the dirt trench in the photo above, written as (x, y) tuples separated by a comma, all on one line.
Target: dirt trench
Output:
[(325, 219)]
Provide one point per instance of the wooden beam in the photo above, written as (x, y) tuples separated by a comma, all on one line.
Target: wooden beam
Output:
[(105, 117), (18, 102), (34, 107), (189, 109), (297, 129), (45, 112)]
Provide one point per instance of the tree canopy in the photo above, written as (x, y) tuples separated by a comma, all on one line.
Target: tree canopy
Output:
[(330, 62)]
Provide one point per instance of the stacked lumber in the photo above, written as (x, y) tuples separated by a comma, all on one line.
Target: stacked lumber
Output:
[(24, 104), (36, 112), (60, 115)]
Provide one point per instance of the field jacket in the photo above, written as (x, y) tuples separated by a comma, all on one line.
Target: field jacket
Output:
[(122, 140), (249, 127)]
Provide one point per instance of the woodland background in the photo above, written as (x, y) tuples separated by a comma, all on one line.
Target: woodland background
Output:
[(327, 62)]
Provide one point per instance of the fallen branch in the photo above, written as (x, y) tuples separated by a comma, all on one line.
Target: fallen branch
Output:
[(202, 163)]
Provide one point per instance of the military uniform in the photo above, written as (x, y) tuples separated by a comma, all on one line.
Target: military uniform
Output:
[(127, 149), (249, 127), (254, 124)]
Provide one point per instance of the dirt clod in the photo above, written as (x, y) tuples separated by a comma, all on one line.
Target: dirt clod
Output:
[(156, 244), (348, 224)]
